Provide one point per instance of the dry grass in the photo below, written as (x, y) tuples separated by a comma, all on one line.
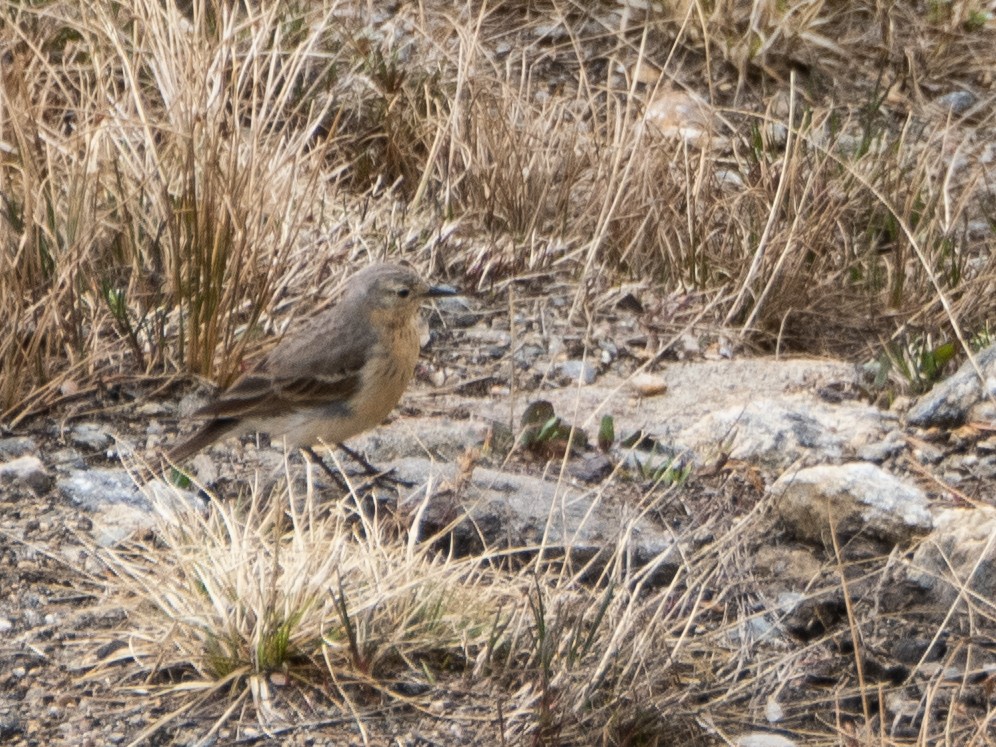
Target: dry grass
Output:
[(176, 179), (172, 177), (280, 605), (269, 613)]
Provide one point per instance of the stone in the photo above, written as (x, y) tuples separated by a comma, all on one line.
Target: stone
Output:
[(119, 506), (90, 436), (15, 446), (982, 412), (776, 433), (526, 513), (455, 311), (93, 489), (763, 739), (152, 410), (949, 402), (116, 522), (960, 552), (882, 449), (648, 384), (27, 471), (574, 371), (67, 459), (590, 468), (855, 499), (957, 102), (676, 114)]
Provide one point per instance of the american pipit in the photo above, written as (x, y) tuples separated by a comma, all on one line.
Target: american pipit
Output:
[(337, 376)]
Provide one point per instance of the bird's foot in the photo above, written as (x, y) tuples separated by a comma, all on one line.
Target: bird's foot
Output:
[(388, 477), (373, 476)]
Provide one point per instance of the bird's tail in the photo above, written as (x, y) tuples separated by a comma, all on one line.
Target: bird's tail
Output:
[(207, 435)]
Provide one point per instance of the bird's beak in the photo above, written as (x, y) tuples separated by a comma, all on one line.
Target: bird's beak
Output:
[(436, 291)]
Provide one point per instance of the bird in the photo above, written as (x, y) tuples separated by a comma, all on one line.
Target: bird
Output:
[(339, 374)]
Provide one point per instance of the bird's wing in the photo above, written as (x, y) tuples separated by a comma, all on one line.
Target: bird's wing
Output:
[(320, 365), (263, 395)]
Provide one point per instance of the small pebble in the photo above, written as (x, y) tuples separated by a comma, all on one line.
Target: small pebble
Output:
[(957, 102), (90, 436), (763, 739), (648, 384), (16, 446), (575, 370), (28, 471)]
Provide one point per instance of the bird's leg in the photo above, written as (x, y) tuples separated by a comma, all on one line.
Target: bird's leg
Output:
[(337, 478), (373, 471), (360, 460)]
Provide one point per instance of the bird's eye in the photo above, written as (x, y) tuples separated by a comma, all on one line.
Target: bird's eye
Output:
[(403, 293)]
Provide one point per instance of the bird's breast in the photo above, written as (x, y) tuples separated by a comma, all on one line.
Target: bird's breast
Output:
[(387, 373)]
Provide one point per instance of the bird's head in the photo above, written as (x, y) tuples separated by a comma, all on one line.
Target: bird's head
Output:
[(394, 291)]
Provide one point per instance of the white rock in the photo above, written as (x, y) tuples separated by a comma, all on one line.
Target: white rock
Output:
[(575, 371), (91, 437), (856, 499), (760, 739), (773, 710), (949, 402), (28, 471), (94, 488), (506, 509), (648, 384), (961, 550), (16, 446), (778, 432)]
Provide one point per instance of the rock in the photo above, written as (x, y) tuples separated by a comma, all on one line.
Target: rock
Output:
[(776, 433), (956, 102), (190, 403), (443, 437), (119, 506), (67, 459), (648, 384), (27, 471), (762, 739), (948, 403), (609, 351), (16, 446), (914, 650), (91, 437), (982, 412), (699, 388), (205, 468), (859, 499), (590, 468), (574, 371), (676, 114), (11, 727), (880, 450), (152, 410), (517, 511), (959, 552), (93, 489), (454, 311), (794, 568), (528, 354), (116, 522)]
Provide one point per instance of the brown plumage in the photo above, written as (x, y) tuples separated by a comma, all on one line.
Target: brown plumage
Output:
[(340, 374)]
